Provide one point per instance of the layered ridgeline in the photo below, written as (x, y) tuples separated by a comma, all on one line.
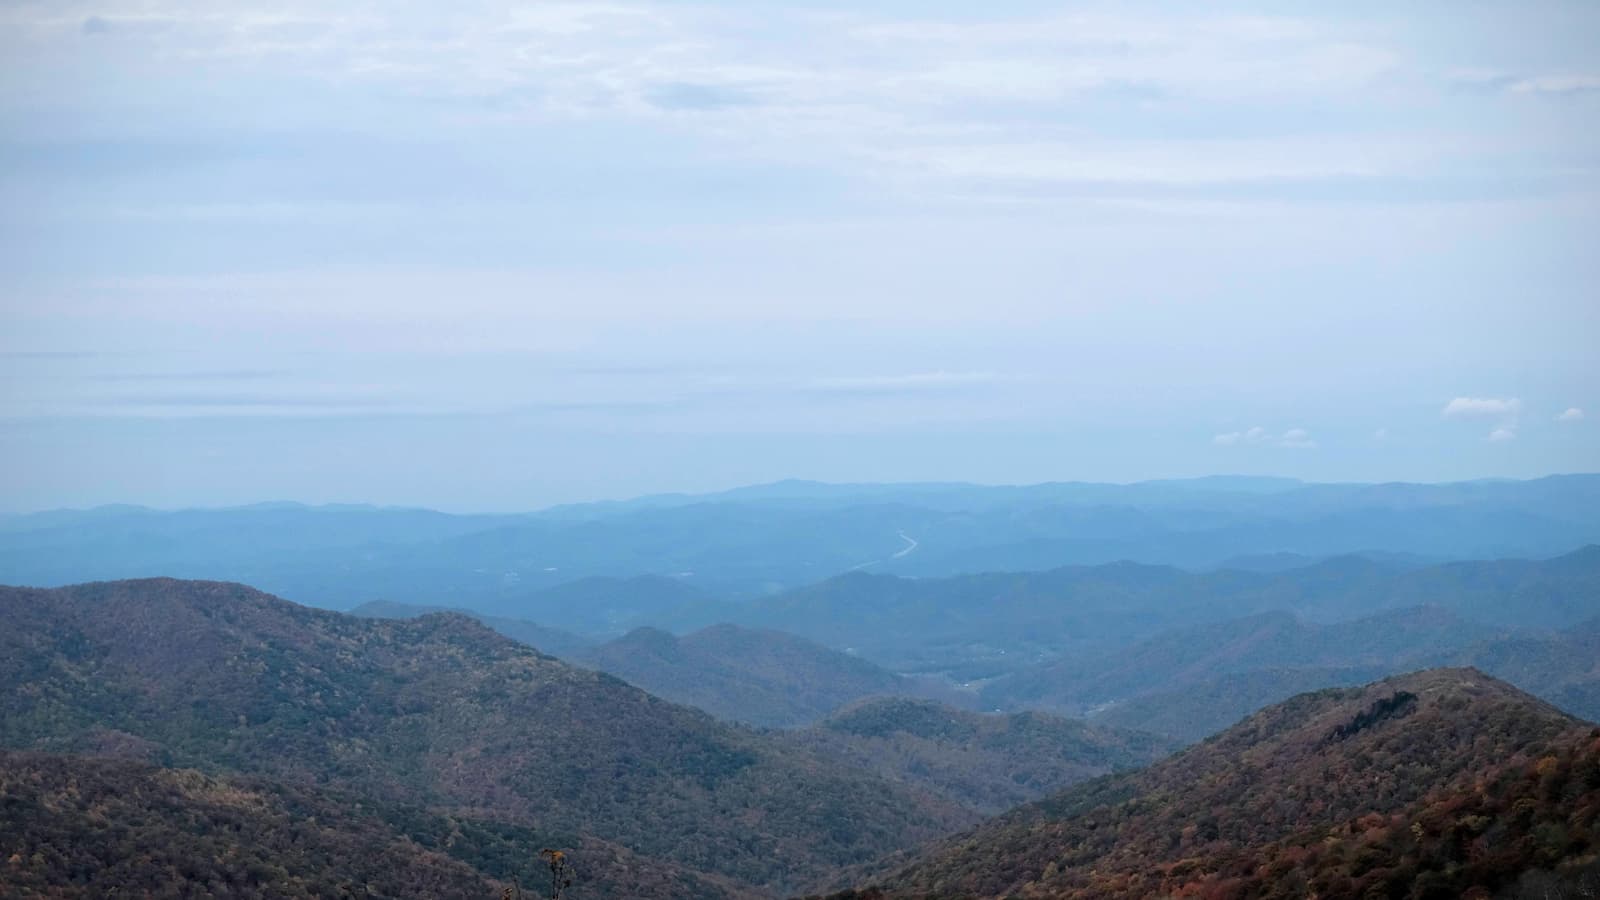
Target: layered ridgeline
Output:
[(437, 713), (1562, 667), (588, 609), (1443, 783), (1191, 682), (756, 676), (754, 541), (609, 605), (988, 763), (1149, 648), (1270, 640), (554, 641), (985, 626)]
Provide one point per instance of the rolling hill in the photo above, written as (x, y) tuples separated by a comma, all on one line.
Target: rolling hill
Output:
[(985, 762), (437, 712), (1387, 642), (759, 677), (976, 628), (1195, 711), (1438, 783), (1561, 667), (755, 541), (754, 676), (554, 641), (606, 605)]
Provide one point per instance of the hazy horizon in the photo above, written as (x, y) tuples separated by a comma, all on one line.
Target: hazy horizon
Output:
[(662, 449), (733, 488), (493, 256)]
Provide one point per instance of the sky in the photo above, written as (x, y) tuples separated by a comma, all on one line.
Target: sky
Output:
[(494, 256)]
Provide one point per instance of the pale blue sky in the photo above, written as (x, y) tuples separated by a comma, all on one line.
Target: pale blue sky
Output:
[(498, 255)]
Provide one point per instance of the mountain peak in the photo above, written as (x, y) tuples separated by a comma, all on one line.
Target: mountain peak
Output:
[(1313, 761), (647, 638)]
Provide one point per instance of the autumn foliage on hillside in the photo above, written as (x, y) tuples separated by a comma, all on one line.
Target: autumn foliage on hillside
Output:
[(1427, 785), (81, 827), (1526, 824), (75, 827), (437, 712), (988, 763)]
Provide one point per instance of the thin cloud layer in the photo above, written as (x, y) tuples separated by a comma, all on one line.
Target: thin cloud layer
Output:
[(1465, 407), (1506, 409), (914, 381), (853, 241), (1292, 439), (983, 99)]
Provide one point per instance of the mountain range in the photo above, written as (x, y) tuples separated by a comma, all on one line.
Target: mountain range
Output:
[(1221, 687), (554, 641), (438, 712), (987, 763), (1562, 667), (981, 627), (755, 676), (1443, 783), (1151, 648), (147, 727), (759, 677), (759, 540), (439, 716)]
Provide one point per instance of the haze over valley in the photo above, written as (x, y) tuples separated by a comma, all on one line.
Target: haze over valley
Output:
[(911, 696), (636, 450)]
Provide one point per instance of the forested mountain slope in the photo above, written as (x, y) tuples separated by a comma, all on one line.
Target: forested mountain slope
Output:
[(748, 675), (74, 826), (986, 762), (982, 626), (1430, 784), (1561, 667), (1277, 640), (554, 641), (437, 712)]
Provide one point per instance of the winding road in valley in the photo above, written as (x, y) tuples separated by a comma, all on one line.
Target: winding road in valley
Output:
[(911, 545)]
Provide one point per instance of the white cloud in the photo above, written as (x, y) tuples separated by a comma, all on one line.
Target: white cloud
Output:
[(1255, 435), (1293, 439), (1297, 439), (1464, 407), (1167, 162), (1505, 410), (1556, 84), (956, 98), (1497, 80), (1477, 78), (1572, 414), (914, 381)]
